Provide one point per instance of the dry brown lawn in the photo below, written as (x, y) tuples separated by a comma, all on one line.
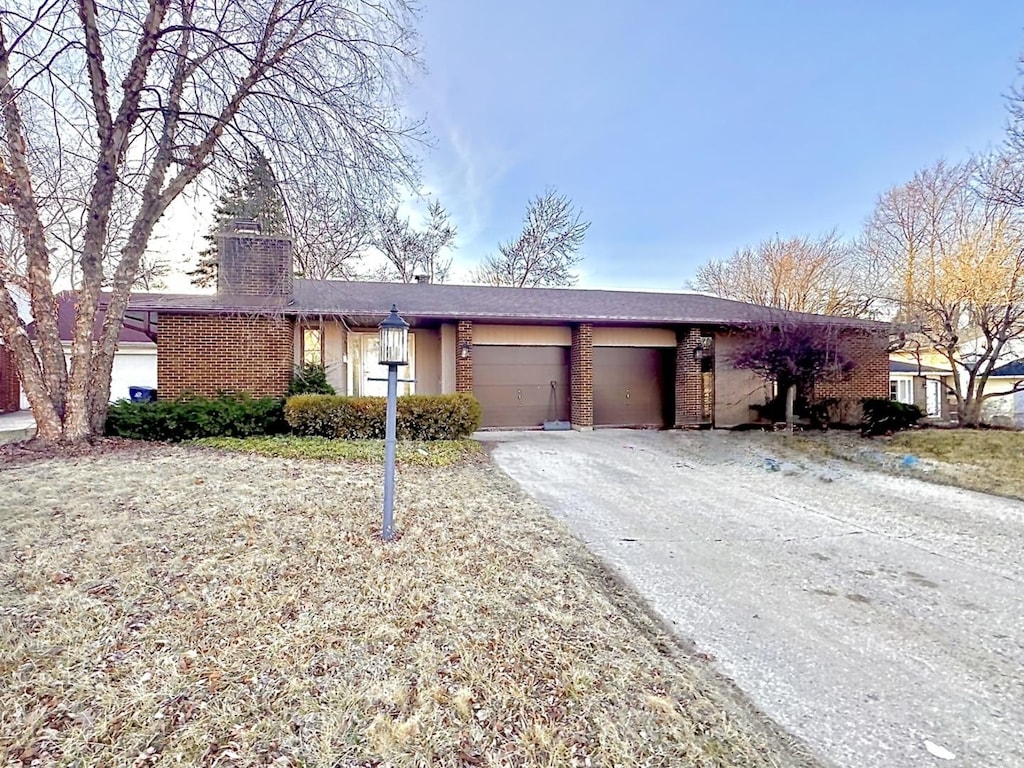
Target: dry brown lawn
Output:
[(985, 460), (175, 606)]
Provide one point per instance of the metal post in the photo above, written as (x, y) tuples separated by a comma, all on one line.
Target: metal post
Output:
[(388, 531)]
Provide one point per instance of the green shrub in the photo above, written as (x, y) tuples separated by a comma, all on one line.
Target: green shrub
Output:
[(189, 417), (882, 415), (309, 379), (420, 417)]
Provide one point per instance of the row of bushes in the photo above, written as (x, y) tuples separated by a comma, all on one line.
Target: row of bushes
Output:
[(419, 417), (188, 418)]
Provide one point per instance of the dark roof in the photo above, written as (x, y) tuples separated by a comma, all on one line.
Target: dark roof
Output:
[(1016, 368), (66, 322), (899, 366), (479, 302)]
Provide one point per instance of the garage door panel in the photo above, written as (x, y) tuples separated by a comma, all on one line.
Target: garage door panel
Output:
[(513, 384), (628, 386)]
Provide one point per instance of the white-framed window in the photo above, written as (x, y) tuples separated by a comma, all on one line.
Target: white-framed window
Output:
[(902, 390)]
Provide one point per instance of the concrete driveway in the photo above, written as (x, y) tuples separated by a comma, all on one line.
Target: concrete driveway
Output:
[(880, 619)]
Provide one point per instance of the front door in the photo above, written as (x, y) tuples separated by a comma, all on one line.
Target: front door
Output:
[(365, 367), (933, 393)]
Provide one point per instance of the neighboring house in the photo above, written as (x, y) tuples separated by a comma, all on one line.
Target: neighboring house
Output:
[(135, 360), (928, 387), (530, 355), (1008, 410)]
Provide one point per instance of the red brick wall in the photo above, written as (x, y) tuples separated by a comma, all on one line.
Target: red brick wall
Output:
[(689, 387), (581, 376), (464, 364), (10, 391), (870, 377), (254, 265), (207, 354)]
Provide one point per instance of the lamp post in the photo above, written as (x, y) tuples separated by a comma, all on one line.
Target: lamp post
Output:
[(394, 351)]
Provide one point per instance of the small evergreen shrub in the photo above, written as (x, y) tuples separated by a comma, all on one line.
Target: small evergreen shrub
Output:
[(189, 417), (419, 417), (309, 379), (882, 416)]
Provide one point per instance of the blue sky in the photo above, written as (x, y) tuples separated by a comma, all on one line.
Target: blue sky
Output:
[(687, 129)]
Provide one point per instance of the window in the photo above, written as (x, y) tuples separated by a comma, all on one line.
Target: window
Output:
[(313, 346), (902, 390)]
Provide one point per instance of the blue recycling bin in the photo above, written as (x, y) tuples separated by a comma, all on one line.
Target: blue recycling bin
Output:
[(142, 394)]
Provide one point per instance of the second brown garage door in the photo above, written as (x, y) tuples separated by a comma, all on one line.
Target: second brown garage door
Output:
[(629, 386), (513, 384)]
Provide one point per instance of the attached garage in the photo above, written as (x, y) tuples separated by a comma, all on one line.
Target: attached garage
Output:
[(630, 385), (521, 386)]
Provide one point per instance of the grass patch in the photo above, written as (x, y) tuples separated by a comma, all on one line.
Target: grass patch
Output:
[(433, 453), (987, 460), (188, 607)]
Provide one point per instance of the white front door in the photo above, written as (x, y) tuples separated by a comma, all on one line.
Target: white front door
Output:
[(933, 393)]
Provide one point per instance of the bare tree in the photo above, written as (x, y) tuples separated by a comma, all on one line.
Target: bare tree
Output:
[(410, 251), (545, 253), (142, 100), (796, 357), (802, 274), (955, 255), (330, 234)]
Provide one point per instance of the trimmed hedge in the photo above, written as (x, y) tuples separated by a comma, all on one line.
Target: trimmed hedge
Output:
[(188, 417), (420, 417), (882, 415)]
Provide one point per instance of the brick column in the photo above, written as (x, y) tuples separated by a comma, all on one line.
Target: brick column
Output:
[(689, 390), (10, 389), (464, 356), (581, 377)]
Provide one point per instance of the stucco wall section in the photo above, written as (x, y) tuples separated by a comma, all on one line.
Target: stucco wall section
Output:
[(634, 337), (528, 335), (448, 351), (736, 390), (428, 362)]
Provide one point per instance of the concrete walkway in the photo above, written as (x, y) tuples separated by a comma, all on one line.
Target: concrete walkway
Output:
[(16, 426), (880, 619)]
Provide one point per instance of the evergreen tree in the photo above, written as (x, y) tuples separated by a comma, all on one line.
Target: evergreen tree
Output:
[(255, 196)]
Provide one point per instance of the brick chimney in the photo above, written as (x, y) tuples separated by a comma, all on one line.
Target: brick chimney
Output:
[(250, 263)]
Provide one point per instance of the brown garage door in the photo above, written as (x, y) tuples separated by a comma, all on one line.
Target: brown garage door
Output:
[(629, 386), (513, 384)]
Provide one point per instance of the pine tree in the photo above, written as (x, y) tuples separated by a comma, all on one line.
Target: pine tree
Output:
[(255, 196)]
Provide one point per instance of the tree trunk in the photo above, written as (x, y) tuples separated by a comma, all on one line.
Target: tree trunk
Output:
[(790, 408)]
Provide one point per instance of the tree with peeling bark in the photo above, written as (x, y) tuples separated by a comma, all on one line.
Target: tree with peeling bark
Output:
[(546, 253), (955, 257), (821, 275), (145, 98)]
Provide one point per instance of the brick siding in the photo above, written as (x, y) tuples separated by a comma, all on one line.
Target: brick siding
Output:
[(10, 390), (464, 363), (207, 354), (254, 265), (689, 389), (581, 377), (870, 377)]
